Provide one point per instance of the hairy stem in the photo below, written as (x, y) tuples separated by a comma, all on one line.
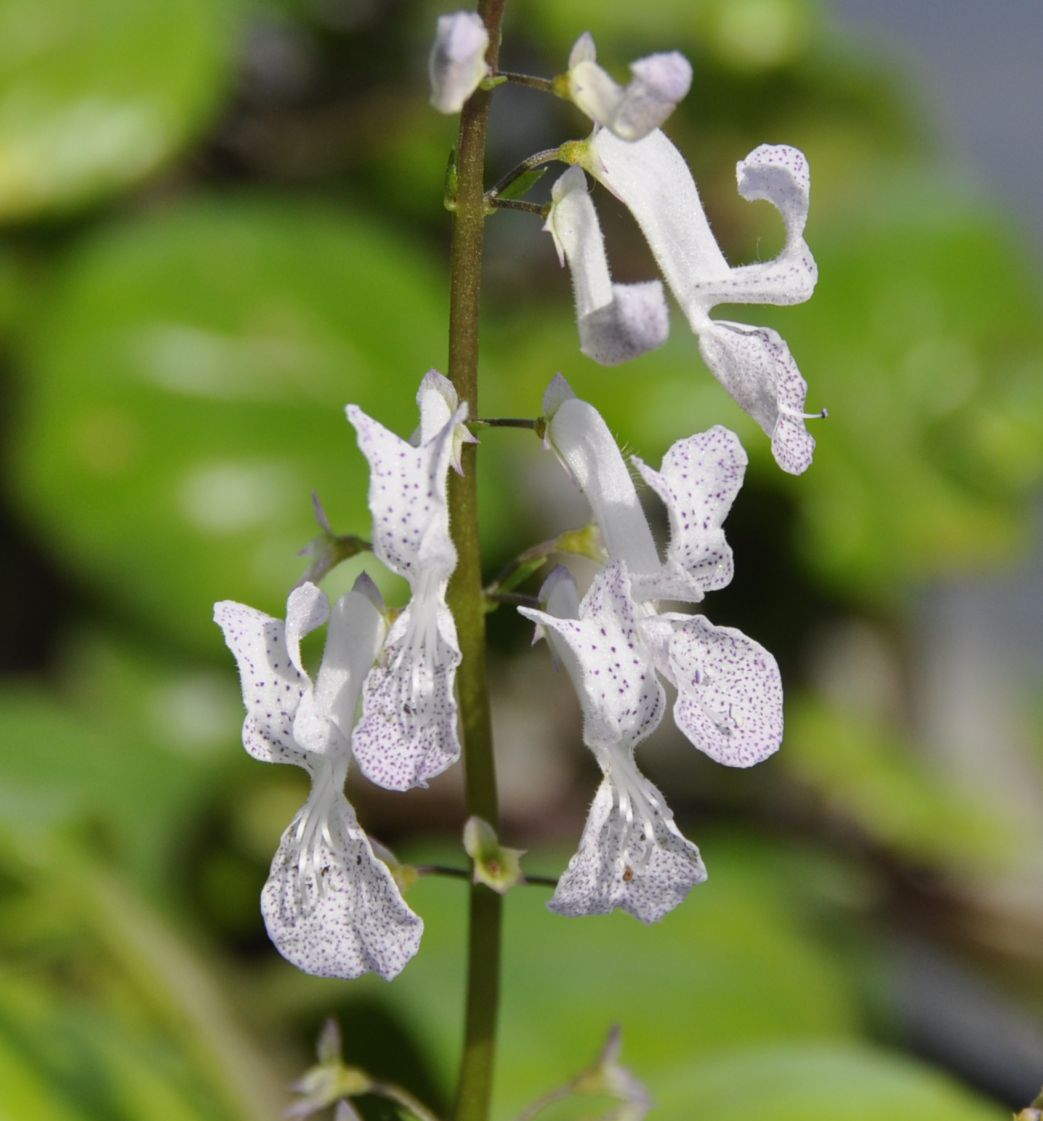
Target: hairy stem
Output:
[(474, 1088)]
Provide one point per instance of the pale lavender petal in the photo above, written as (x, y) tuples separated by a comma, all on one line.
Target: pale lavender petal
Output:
[(617, 322), (331, 907), (637, 862), (729, 693), (271, 685), (755, 365), (457, 64), (698, 482), (660, 81), (620, 694), (407, 733), (633, 323)]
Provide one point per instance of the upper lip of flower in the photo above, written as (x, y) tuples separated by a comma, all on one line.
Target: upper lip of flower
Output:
[(407, 732)]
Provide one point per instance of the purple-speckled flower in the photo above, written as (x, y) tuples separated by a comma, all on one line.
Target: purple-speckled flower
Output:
[(407, 733), (753, 364), (631, 855), (616, 644), (330, 906)]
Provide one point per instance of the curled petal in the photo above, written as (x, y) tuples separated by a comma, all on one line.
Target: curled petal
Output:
[(620, 694), (637, 861), (271, 684), (407, 733), (331, 907), (457, 64), (777, 174), (729, 693), (617, 322), (698, 482), (755, 365)]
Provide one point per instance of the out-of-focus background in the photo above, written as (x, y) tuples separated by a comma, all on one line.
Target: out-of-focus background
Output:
[(221, 221)]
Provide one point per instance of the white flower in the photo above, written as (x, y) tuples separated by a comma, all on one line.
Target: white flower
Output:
[(729, 702), (617, 322), (631, 855), (457, 64), (753, 363), (330, 906), (615, 644), (658, 84), (407, 732)]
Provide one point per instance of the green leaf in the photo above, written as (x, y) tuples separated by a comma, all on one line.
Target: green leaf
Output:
[(96, 96), (523, 184), (184, 394), (816, 1082)]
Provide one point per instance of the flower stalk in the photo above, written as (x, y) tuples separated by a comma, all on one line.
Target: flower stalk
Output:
[(474, 1088)]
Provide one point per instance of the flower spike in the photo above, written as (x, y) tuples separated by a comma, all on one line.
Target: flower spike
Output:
[(659, 82), (330, 906), (457, 64), (617, 322), (407, 733)]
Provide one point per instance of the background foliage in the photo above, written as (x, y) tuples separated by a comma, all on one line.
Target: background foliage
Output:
[(222, 220)]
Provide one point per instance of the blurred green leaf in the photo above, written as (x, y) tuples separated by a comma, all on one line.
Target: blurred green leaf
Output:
[(801, 1082), (871, 775), (186, 379), (95, 96)]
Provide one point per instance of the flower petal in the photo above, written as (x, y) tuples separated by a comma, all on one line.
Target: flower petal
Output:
[(586, 447), (620, 694), (698, 482), (438, 403), (642, 865), (652, 179), (777, 174), (658, 84), (353, 641), (331, 907), (271, 685), (407, 496), (729, 693), (407, 733), (617, 322), (755, 365), (457, 64)]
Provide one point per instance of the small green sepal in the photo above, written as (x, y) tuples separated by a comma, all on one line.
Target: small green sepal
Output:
[(494, 865), (451, 185), (523, 184)]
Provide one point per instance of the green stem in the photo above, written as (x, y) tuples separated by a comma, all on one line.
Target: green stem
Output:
[(474, 1089)]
